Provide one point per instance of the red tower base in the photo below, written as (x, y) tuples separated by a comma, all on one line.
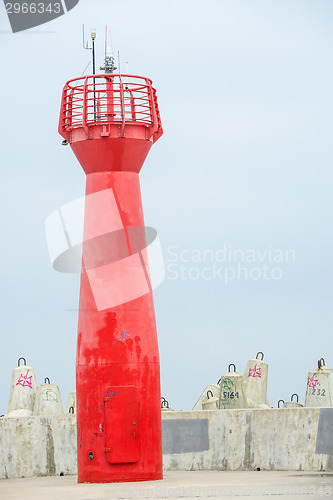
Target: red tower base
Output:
[(117, 367)]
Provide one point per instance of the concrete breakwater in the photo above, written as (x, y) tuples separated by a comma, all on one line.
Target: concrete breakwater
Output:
[(248, 439)]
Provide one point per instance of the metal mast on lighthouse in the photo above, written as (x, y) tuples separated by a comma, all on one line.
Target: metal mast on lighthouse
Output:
[(111, 121)]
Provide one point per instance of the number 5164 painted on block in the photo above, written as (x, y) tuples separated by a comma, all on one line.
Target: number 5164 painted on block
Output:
[(230, 395)]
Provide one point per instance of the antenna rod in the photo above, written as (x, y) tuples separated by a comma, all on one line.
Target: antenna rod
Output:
[(93, 36), (93, 55), (106, 46)]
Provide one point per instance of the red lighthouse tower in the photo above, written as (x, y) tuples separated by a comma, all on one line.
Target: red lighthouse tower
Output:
[(111, 121)]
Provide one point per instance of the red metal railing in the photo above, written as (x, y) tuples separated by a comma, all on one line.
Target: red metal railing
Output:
[(110, 99)]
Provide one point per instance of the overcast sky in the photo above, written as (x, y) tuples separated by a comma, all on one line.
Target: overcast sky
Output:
[(245, 163)]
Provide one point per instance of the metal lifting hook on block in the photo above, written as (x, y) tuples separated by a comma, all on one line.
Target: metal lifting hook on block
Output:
[(209, 394), (19, 362), (321, 363)]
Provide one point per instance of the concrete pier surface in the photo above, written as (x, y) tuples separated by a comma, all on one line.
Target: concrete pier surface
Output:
[(177, 484)]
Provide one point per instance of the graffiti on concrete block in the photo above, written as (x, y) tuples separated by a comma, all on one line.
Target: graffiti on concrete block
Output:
[(255, 372), (49, 395), (313, 382), (25, 380)]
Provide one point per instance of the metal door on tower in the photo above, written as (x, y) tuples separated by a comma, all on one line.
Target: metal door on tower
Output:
[(122, 429)]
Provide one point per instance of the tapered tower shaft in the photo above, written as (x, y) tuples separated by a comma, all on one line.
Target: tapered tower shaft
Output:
[(111, 121)]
